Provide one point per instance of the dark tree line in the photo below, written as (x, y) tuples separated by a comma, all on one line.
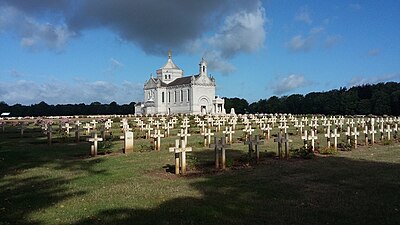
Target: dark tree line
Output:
[(43, 109), (377, 99)]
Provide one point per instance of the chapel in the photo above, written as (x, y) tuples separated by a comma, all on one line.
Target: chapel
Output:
[(171, 92)]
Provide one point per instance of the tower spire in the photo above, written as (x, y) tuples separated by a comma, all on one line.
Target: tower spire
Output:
[(169, 54)]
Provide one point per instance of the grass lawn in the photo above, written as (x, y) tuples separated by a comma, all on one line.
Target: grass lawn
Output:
[(61, 184)]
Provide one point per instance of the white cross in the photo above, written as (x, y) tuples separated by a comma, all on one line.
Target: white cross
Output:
[(207, 137), (335, 135), (94, 122), (388, 131), (87, 127), (94, 139), (355, 133), (228, 131), (157, 139), (184, 134), (313, 137)]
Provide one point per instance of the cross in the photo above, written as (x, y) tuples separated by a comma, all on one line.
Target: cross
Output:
[(180, 150), (248, 131), (94, 122), (229, 132), (157, 124), (366, 134), (49, 133), (77, 130), (280, 140), (218, 124), (109, 123), (328, 136), (335, 135), (348, 135), (372, 132), (355, 133), (94, 139), (202, 125), (184, 134), (219, 145), (233, 123), (87, 127), (148, 128), (157, 139), (67, 127), (207, 137), (185, 125), (305, 139), (352, 123), (140, 124), (284, 127), (169, 125), (395, 129), (388, 131), (301, 126), (256, 141), (312, 137), (266, 129)]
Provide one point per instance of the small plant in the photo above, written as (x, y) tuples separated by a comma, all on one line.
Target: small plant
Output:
[(145, 147), (229, 162), (192, 161), (304, 153), (387, 142), (328, 151), (345, 146)]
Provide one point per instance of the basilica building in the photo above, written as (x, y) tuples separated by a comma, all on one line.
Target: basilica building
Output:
[(171, 92)]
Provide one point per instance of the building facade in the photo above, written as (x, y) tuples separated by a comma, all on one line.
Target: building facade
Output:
[(172, 93)]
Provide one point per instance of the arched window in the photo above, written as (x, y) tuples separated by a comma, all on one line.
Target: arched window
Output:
[(162, 97), (175, 97), (204, 68), (165, 76), (181, 95), (188, 95)]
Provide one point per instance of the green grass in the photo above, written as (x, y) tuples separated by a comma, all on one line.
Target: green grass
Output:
[(60, 184)]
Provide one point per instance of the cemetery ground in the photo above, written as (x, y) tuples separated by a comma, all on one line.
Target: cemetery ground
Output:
[(61, 184)]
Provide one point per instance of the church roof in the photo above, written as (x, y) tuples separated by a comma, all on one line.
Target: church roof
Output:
[(170, 64), (181, 81)]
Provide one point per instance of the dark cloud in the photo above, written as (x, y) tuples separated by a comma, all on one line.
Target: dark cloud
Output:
[(226, 27)]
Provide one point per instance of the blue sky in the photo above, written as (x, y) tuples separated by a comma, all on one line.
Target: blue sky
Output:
[(84, 51)]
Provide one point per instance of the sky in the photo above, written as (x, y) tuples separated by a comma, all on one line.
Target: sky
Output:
[(82, 51)]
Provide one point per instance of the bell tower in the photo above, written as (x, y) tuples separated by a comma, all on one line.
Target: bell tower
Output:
[(203, 67)]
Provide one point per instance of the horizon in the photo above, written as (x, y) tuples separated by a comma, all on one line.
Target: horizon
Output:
[(67, 52)]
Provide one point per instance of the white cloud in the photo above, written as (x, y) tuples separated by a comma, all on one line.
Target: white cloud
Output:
[(315, 37), (59, 92), (217, 63), (359, 80), (303, 15), (241, 32), (289, 83), (33, 34)]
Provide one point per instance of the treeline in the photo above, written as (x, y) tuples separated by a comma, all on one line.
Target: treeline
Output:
[(43, 109), (377, 99)]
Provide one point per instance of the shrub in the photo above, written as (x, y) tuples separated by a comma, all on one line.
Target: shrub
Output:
[(387, 142), (328, 151), (304, 153), (345, 146)]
